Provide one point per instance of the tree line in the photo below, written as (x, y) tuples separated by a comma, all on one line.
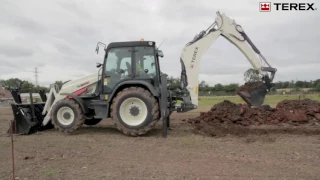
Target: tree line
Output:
[(25, 86), (314, 86), (250, 75)]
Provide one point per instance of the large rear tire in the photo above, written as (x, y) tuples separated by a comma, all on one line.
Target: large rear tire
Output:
[(67, 116), (135, 111)]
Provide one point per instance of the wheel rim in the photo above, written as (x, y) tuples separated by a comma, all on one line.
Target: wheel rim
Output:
[(65, 116), (133, 111)]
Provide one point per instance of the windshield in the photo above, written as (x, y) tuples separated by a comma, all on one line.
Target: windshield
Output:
[(119, 59)]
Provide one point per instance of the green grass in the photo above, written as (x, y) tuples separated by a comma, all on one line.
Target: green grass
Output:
[(270, 100)]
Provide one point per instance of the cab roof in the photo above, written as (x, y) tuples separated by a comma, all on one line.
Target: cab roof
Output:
[(130, 44)]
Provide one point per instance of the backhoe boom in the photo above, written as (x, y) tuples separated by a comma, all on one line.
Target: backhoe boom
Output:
[(193, 51)]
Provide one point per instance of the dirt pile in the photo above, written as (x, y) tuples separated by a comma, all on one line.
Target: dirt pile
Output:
[(297, 111), (4, 93), (290, 112)]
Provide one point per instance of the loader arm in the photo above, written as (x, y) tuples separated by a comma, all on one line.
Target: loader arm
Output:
[(193, 51)]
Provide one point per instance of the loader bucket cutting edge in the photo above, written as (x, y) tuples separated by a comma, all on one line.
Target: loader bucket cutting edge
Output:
[(253, 96)]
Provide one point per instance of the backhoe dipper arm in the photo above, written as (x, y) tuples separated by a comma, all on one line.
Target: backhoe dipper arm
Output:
[(193, 51)]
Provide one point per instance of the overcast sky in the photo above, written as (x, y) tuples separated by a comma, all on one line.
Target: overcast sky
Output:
[(59, 37)]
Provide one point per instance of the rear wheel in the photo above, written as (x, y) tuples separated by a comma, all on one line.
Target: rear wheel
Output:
[(135, 111), (67, 116)]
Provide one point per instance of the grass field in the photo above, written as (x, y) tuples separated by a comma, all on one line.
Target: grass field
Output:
[(270, 100)]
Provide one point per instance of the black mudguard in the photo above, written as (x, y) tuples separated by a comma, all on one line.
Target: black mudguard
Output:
[(83, 106)]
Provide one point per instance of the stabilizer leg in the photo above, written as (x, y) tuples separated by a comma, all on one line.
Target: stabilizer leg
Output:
[(164, 127)]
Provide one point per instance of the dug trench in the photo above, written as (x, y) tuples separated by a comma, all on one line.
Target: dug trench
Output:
[(289, 116)]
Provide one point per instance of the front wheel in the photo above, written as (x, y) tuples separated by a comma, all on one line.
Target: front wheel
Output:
[(67, 116), (135, 111)]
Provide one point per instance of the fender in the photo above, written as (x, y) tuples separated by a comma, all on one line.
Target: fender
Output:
[(80, 101), (153, 91)]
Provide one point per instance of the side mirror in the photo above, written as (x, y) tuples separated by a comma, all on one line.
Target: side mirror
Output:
[(97, 49), (102, 44), (160, 53), (99, 65)]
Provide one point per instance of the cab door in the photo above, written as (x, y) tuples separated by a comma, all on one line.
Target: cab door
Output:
[(117, 68), (145, 65)]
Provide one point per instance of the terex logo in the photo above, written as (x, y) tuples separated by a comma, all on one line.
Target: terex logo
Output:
[(85, 83), (194, 57), (194, 54), (266, 6), (294, 6)]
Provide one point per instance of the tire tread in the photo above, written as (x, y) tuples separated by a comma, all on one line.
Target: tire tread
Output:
[(154, 111)]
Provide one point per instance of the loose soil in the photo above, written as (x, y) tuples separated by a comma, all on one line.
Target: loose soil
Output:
[(249, 86), (227, 117), (102, 152)]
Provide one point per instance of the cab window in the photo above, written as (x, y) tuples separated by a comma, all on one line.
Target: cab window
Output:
[(145, 62)]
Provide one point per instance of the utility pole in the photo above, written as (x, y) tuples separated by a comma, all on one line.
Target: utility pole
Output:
[(36, 75), (35, 71)]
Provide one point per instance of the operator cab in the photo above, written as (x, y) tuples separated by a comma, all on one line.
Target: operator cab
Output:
[(128, 61)]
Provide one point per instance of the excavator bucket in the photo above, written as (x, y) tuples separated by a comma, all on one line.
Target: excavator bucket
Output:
[(27, 116), (253, 93)]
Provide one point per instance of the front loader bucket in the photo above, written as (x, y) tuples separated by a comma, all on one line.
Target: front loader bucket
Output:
[(24, 121), (253, 93), (27, 117)]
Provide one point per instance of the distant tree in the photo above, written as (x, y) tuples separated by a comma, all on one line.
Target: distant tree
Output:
[(299, 84), (273, 89), (251, 75), (27, 87), (12, 83), (59, 83), (38, 88), (316, 83), (292, 84), (174, 83), (317, 88), (203, 86), (22, 85), (230, 87), (286, 84), (218, 87)]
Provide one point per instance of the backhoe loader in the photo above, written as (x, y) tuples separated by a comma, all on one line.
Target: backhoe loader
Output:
[(130, 89)]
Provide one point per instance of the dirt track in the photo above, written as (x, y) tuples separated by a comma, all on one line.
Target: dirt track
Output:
[(101, 152)]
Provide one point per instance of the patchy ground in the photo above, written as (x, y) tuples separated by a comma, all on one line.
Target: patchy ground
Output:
[(101, 152)]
